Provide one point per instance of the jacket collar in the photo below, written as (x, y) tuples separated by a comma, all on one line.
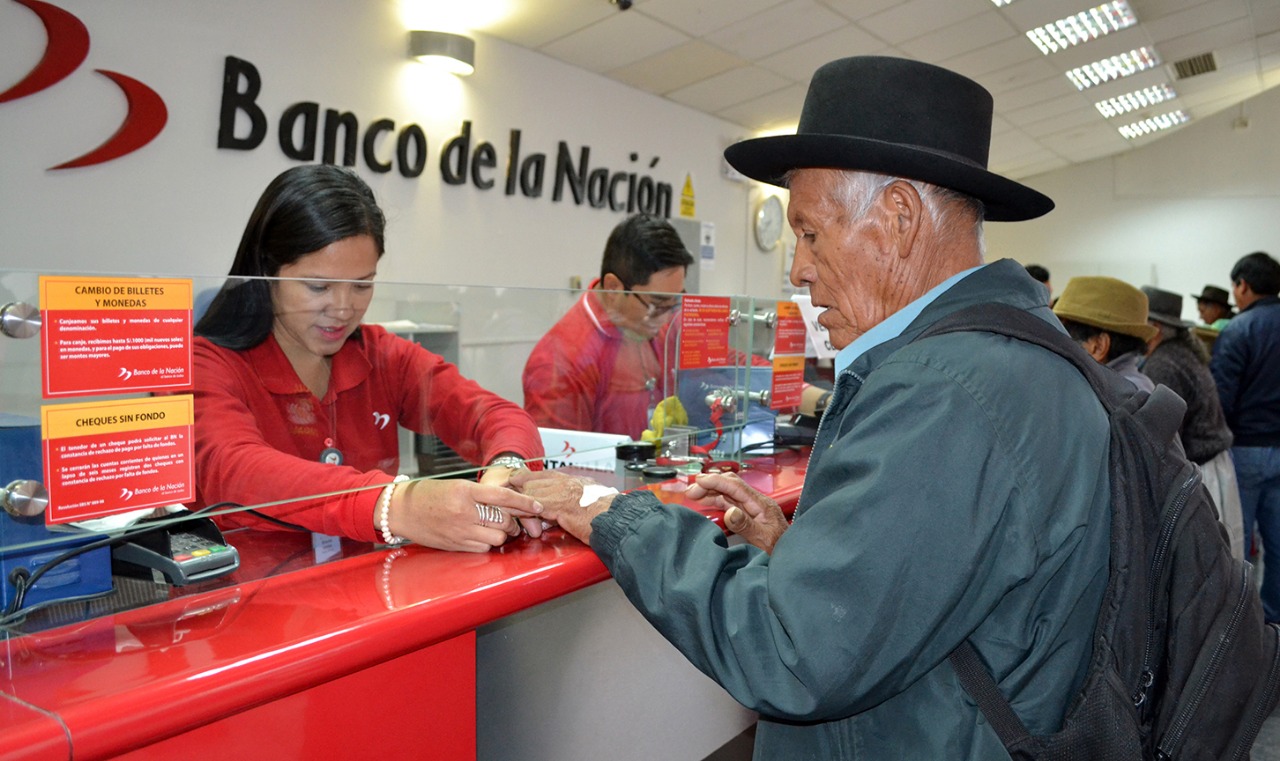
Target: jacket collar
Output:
[(1005, 281)]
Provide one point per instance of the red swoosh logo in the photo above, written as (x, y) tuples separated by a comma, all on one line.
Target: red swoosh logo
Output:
[(146, 118), (67, 48)]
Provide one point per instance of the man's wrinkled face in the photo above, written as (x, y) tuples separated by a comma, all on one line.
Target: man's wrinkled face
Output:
[(846, 263)]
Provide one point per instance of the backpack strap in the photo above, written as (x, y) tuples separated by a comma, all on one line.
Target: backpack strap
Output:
[(1110, 389), (1006, 320), (981, 686)]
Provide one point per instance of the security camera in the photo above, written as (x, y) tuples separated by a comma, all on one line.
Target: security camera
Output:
[(623, 4)]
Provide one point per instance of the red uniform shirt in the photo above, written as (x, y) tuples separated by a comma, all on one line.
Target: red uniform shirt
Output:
[(585, 375), (259, 431)]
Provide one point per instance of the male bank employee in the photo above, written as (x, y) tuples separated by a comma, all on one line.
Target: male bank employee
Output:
[(605, 365)]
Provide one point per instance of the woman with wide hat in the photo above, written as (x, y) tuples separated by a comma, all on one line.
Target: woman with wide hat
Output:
[(1178, 359)]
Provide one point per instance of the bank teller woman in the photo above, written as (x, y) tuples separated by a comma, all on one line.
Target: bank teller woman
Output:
[(294, 397)]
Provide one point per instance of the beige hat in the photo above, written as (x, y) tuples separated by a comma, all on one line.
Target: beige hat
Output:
[(1107, 303)]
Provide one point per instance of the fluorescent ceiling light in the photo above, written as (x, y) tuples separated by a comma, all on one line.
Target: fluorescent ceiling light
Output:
[(1155, 124), (1132, 101), (1082, 27), (1001, 2), (1115, 67)]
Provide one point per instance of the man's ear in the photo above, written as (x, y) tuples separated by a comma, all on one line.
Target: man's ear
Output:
[(1098, 346), (611, 282), (905, 213)]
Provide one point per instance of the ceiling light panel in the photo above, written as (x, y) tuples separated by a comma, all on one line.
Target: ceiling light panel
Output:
[(1155, 124), (1082, 27), (1115, 67), (1001, 2), (1132, 101)]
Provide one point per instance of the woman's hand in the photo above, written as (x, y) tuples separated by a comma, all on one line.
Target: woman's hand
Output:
[(497, 475), (451, 514), (747, 513), (560, 497)]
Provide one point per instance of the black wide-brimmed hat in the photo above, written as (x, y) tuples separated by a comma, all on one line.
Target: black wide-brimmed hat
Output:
[(1165, 307), (898, 117), (1214, 295)]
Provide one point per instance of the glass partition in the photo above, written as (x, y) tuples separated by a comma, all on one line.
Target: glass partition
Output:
[(116, 422)]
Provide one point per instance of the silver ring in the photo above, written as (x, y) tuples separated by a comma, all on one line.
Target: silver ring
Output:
[(490, 514)]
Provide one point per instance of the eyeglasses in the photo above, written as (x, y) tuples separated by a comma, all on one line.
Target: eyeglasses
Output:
[(658, 306)]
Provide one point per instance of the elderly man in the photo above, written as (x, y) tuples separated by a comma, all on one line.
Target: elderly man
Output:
[(935, 510)]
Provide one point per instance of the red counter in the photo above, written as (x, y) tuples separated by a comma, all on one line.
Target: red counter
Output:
[(365, 656)]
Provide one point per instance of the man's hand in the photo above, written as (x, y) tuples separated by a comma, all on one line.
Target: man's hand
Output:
[(501, 477), (560, 496), (747, 513)]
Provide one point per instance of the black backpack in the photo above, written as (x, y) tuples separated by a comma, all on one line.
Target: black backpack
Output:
[(1183, 665)]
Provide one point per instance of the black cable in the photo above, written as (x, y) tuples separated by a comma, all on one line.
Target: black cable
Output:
[(277, 521), (23, 579)]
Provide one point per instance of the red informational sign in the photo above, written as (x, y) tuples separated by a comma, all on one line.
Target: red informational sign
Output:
[(114, 335), (103, 458), (704, 332), (788, 382), (789, 333)]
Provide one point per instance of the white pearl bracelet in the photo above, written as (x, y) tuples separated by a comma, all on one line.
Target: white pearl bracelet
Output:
[(384, 511)]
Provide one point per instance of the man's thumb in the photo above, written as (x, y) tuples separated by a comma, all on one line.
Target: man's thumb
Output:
[(736, 519)]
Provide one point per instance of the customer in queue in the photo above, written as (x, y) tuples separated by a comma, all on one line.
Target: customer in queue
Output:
[(1214, 305), (1246, 368), (936, 509), (604, 367), (1108, 317), (1178, 359), (295, 397)]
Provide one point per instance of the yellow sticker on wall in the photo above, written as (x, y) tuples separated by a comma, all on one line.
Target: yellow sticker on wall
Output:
[(687, 205)]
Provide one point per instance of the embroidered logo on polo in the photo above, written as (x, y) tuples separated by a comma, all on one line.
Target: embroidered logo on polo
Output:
[(381, 420), (67, 48)]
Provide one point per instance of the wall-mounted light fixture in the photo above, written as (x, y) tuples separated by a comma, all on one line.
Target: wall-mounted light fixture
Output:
[(452, 52)]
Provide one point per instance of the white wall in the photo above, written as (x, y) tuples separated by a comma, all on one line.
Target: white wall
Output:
[(178, 205), (1176, 213)]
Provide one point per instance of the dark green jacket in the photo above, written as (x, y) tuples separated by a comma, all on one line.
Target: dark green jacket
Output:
[(957, 489)]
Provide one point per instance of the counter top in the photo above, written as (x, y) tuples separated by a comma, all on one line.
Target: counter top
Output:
[(281, 623)]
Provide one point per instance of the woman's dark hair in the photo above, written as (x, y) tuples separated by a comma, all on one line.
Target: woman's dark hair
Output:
[(303, 210), (1121, 343)]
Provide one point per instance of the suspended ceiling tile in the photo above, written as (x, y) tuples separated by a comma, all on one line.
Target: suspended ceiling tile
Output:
[(1006, 54), (1205, 15), (776, 29), (1067, 120), (799, 62), (729, 89), (1208, 40), (1012, 145), (1015, 77), (536, 24), (700, 18), (1056, 108), (1022, 172), (771, 112), (974, 33), (1149, 11), (856, 10), (678, 67), (620, 39), (916, 18), (1028, 14)]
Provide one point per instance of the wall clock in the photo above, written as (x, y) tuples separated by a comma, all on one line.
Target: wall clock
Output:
[(768, 223)]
